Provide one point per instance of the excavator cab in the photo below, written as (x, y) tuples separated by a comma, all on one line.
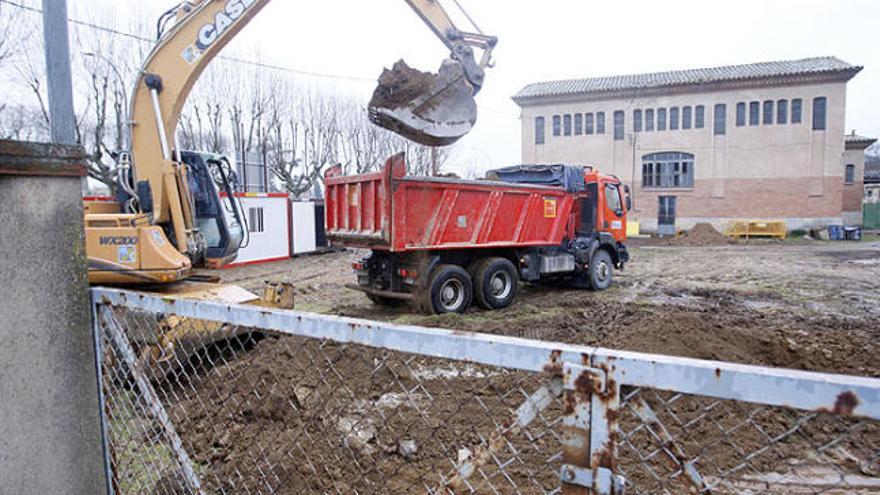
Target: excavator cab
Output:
[(218, 212)]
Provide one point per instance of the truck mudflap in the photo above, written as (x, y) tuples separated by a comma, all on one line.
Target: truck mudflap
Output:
[(622, 255)]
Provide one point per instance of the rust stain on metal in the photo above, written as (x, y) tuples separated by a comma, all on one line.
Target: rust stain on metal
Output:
[(717, 372), (587, 384), (554, 366), (846, 403), (570, 402)]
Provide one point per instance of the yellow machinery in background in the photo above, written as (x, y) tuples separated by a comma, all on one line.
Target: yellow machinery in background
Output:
[(756, 228)]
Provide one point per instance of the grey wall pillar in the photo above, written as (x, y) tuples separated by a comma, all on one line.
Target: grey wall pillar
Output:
[(50, 432)]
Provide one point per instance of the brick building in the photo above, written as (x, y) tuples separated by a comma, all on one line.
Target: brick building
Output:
[(762, 140)]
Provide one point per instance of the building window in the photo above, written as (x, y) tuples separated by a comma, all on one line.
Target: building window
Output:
[(699, 117), (588, 123), (768, 112), (566, 124), (796, 110), (600, 122), (618, 125), (661, 119), (637, 121), (754, 112), (820, 104), (673, 119), (557, 125), (686, 117), (668, 170), (850, 175), (255, 220), (740, 114), (539, 130), (782, 112), (720, 119), (578, 124), (649, 119)]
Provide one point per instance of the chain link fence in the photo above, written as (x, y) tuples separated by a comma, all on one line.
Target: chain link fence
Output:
[(202, 397)]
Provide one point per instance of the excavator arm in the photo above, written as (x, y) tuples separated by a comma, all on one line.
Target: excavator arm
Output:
[(440, 114)]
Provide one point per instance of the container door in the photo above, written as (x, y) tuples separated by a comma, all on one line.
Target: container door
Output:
[(666, 215)]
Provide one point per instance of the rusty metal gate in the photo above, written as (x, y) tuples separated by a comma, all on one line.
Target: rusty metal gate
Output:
[(288, 402)]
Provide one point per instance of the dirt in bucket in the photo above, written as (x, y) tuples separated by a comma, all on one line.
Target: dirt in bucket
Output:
[(400, 85)]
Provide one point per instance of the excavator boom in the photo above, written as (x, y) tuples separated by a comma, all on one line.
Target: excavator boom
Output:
[(176, 195)]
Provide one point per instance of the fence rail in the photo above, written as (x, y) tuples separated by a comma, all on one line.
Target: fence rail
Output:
[(204, 397)]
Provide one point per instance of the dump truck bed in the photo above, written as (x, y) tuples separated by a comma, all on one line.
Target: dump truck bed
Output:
[(387, 210)]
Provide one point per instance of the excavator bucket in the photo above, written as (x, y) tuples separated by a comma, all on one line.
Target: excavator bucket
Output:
[(434, 110)]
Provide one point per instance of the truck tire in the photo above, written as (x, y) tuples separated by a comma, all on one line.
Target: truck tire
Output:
[(600, 273), (449, 290), (495, 283)]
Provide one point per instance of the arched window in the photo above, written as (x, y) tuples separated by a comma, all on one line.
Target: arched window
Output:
[(850, 174), (669, 169)]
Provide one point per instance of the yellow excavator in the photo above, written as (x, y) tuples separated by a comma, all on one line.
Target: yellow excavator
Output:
[(169, 215)]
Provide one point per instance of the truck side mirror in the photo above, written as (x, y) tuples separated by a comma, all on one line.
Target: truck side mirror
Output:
[(629, 201)]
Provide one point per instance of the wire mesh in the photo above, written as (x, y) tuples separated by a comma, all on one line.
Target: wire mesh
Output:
[(262, 413), (196, 406), (673, 443)]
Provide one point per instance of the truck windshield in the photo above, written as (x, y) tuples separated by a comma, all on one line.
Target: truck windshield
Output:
[(612, 198)]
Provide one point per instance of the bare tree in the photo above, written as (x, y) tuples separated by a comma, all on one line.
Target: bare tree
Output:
[(11, 34), (240, 110)]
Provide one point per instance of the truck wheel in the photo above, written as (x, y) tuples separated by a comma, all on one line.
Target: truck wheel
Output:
[(495, 283), (600, 272), (450, 290)]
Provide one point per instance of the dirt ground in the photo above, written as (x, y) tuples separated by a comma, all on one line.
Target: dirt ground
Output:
[(298, 415), (798, 304)]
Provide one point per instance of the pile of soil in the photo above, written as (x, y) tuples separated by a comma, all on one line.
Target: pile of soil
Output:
[(318, 417), (400, 85), (297, 416), (702, 234), (346, 419)]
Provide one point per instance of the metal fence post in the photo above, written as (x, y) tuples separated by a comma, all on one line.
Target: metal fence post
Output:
[(590, 435), (98, 336), (605, 431), (120, 342)]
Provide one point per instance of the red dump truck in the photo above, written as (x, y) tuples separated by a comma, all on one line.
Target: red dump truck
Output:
[(442, 243)]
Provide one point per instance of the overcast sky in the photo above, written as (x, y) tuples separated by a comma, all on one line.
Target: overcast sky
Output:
[(557, 39)]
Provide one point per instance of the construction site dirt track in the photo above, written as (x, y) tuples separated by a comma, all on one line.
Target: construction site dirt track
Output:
[(804, 305)]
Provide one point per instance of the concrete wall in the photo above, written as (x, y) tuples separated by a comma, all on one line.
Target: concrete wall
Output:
[(50, 434), (784, 171)]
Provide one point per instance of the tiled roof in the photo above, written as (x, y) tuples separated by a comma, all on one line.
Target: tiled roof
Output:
[(817, 66), (856, 139)]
